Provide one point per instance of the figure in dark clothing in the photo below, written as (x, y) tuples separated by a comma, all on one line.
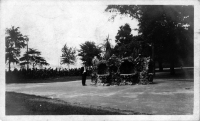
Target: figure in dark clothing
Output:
[(150, 71), (84, 74)]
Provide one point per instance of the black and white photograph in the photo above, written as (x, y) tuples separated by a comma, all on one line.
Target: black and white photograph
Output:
[(99, 60)]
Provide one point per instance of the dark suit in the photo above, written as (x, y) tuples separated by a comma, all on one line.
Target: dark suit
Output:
[(84, 74)]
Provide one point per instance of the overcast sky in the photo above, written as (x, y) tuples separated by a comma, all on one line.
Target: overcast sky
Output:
[(51, 24)]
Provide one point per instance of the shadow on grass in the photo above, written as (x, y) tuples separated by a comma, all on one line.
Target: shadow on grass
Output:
[(180, 74), (22, 104), (156, 83)]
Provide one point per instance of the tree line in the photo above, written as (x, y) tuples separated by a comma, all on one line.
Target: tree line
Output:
[(167, 29), (27, 75), (14, 42), (165, 35)]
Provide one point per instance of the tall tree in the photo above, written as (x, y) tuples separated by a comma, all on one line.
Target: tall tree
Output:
[(88, 51), (68, 55), (107, 49), (164, 27), (14, 42), (126, 43), (32, 56)]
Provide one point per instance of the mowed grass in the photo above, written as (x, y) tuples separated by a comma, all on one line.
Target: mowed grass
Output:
[(22, 104)]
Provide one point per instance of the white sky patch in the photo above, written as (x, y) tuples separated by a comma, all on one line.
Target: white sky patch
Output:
[(51, 24)]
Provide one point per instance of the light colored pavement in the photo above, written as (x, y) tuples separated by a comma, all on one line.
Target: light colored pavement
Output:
[(165, 97)]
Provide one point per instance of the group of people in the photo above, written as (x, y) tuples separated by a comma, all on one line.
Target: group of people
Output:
[(84, 70)]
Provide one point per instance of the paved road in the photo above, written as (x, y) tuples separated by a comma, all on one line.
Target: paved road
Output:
[(165, 97)]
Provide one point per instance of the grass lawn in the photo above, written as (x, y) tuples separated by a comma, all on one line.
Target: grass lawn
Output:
[(170, 94), (23, 104)]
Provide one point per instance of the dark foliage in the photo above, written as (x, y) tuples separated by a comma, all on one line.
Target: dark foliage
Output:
[(26, 76), (168, 28), (88, 51), (126, 43)]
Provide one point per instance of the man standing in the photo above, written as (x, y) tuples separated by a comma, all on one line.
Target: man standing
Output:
[(84, 74)]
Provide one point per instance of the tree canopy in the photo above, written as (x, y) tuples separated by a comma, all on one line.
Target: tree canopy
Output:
[(14, 41), (68, 55), (126, 43), (88, 51), (32, 57), (169, 29)]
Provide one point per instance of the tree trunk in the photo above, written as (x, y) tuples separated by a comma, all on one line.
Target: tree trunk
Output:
[(160, 65), (27, 65), (172, 61), (28, 57), (154, 68), (9, 65), (153, 57), (172, 71)]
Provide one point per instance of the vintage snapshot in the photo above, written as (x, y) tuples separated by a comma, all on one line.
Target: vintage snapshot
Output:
[(100, 60)]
